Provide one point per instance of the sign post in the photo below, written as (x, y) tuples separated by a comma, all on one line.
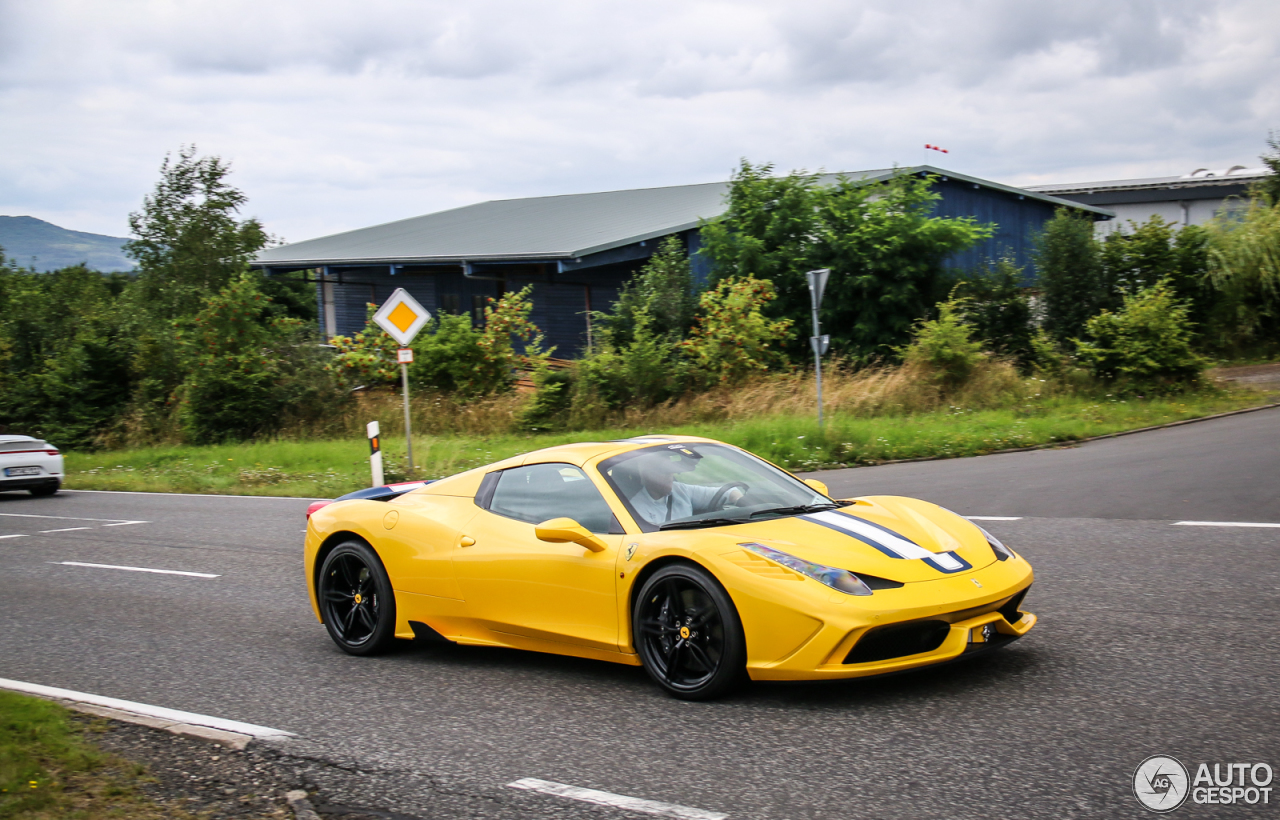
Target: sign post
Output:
[(402, 317), (375, 452), (820, 343)]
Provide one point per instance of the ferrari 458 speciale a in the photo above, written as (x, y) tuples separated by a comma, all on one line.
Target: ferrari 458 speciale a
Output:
[(694, 559)]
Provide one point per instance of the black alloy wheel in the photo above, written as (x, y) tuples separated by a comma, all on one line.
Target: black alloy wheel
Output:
[(687, 632), (356, 600)]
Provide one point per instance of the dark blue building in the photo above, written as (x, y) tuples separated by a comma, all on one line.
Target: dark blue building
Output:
[(577, 250)]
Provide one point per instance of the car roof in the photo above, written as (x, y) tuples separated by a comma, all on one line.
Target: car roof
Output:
[(581, 452)]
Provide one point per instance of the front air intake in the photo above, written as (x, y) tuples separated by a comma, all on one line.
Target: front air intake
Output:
[(898, 640)]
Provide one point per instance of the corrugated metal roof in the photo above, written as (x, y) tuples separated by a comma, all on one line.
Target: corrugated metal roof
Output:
[(547, 227), (1242, 178)]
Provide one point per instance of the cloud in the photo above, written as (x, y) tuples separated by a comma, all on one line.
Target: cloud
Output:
[(338, 115)]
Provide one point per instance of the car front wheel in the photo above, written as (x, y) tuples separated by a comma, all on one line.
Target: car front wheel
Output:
[(687, 632), (356, 600)]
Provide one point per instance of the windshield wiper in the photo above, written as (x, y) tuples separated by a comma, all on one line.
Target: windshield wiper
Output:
[(799, 509), (701, 522)]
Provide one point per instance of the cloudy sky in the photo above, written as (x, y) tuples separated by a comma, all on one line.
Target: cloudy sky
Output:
[(338, 115)]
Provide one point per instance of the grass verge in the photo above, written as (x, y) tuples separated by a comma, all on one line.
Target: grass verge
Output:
[(325, 469), (49, 770)]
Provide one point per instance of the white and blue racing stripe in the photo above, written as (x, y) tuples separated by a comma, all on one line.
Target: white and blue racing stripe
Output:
[(887, 541)]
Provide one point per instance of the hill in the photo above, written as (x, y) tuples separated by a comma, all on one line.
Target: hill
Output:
[(34, 243)]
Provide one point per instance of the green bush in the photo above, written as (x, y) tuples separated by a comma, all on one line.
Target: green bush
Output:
[(1145, 346), (945, 347), (996, 308), (732, 337)]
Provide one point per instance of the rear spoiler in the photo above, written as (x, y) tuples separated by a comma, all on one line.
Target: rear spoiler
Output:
[(384, 493)]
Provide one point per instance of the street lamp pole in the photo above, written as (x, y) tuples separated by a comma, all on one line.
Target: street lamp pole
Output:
[(817, 284)]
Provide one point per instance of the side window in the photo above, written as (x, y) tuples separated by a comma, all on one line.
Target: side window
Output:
[(539, 492)]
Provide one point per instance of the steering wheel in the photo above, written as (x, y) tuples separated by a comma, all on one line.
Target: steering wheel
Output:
[(717, 500)]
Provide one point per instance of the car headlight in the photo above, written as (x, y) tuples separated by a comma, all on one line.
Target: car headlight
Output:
[(1002, 552), (839, 579)]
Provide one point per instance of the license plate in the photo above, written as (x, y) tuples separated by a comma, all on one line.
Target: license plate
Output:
[(22, 471)]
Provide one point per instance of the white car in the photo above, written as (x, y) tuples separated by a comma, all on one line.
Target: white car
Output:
[(31, 464)]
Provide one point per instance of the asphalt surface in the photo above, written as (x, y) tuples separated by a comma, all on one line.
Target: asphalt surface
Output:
[(1153, 639)]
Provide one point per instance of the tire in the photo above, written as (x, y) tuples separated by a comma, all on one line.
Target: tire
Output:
[(687, 632), (45, 489), (356, 601)]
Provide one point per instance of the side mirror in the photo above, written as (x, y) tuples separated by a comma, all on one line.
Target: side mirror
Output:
[(818, 485), (568, 531)]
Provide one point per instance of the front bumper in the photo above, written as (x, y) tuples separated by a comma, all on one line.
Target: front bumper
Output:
[(922, 624)]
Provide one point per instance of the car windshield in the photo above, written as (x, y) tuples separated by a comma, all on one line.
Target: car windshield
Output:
[(676, 486)]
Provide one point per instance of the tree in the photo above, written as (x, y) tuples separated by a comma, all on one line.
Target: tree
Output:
[(1268, 188), (944, 347), (1136, 260), (63, 355), (189, 242), (662, 290), (1070, 266), (1244, 267), (885, 251), (769, 230), (995, 306), (886, 256)]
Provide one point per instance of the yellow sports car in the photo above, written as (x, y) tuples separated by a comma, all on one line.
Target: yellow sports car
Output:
[(694, 559)]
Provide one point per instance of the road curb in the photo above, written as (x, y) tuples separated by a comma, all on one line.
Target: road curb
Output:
[(1053, 444), (230, 733)]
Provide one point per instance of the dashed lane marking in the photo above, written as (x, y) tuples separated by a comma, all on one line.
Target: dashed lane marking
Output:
[(67, 529), (175, 715), (619, 801), (1223, 524), (15, 536), (137, 569)]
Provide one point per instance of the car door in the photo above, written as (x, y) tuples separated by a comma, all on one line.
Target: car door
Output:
[(516, 584)]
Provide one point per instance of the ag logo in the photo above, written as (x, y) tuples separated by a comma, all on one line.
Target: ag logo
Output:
[(1161, 783)]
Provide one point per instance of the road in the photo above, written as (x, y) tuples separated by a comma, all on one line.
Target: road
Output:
[(1154, 638)]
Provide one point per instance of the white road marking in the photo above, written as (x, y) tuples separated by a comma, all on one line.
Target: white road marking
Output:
[(14, 536), (203, 495), (67, 529), (994, 517), (119, 522), (1222, 524), (160, 712), (136, 569), (619, 801)]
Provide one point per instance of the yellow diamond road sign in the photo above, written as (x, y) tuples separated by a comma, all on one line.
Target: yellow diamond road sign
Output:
[(402, 317)]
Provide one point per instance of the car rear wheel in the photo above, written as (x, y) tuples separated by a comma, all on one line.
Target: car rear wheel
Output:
[(356, 600), (45, 489), (687, 632)]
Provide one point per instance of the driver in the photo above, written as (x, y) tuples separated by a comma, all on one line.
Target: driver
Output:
[(661, 498)]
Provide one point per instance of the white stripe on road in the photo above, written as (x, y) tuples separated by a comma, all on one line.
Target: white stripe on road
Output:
[(136, 569), (119, 521), (14, 536), (203, 495), (175, 715), (993, 517), (619, 801), (1222, 524), (67, 529)]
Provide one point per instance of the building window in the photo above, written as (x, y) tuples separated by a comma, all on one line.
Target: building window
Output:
[(477, 309), (450, 303)]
